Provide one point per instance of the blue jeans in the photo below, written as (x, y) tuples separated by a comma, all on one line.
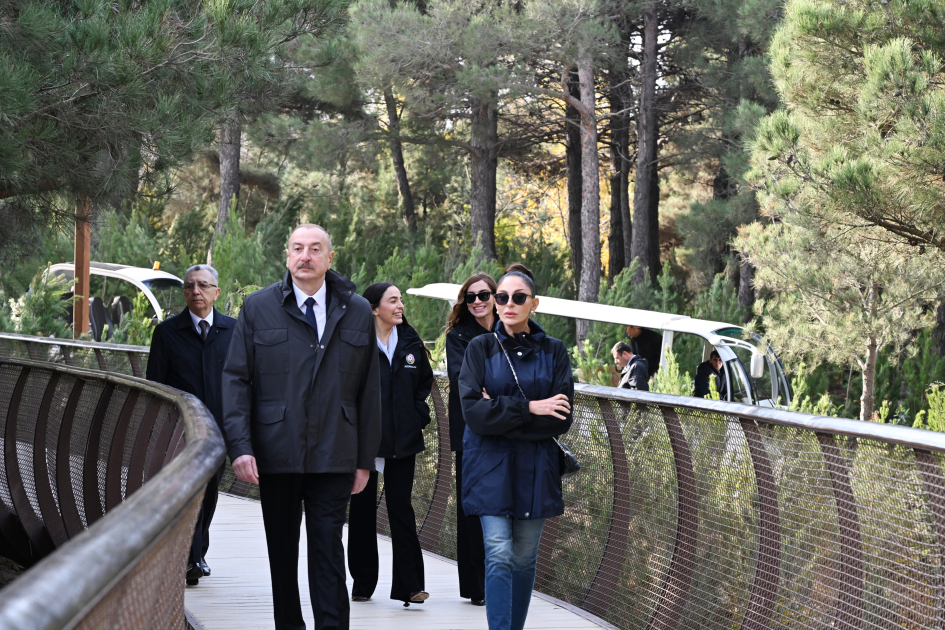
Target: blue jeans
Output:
[(511, 556)]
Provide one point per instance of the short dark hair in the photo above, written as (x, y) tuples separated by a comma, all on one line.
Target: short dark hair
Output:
[(620, 347), (715, 355)]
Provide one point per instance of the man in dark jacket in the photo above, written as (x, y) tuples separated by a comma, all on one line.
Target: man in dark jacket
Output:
[(303, 420), (633, 374), (647, 344), (187, 352), (707, 370)]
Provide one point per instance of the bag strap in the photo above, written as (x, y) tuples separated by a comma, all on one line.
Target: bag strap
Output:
[(515, 376)]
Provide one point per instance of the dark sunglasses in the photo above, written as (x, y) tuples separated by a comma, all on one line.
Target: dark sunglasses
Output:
[(483, 296), (518, 298)]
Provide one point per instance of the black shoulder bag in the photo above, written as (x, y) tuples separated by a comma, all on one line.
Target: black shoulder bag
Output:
[(568, 464)]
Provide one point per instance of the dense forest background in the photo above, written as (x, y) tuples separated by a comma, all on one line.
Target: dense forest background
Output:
[(773, 164)]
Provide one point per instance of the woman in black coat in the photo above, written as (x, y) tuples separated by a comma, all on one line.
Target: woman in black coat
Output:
[(473, 315), (406, 380)]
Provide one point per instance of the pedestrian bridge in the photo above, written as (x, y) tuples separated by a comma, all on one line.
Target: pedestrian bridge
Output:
[(687, 514)]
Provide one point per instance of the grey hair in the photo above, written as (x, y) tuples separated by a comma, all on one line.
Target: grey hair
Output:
[(213, 272), (307, 226)]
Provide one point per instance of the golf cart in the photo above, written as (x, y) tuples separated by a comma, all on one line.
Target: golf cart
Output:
[(754, 374), (113, 288)]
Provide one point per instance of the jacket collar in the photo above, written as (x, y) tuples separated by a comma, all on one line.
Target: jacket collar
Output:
[(531, 339), (340, 287), (473, 328), (183, 320)]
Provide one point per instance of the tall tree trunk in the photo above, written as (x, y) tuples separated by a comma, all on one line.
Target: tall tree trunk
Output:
[(653, 221), (590, 195), (867, 398), (621, 228), (645, 249), (397, 156), (573, 158), (938, 331), (483, 162), (746, 292), (230, 138)]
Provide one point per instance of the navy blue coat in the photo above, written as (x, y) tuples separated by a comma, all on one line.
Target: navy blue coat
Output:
[(181, 359), (511, 465)]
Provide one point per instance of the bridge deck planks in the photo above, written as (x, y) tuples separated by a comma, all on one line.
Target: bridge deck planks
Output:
[(237, 595)]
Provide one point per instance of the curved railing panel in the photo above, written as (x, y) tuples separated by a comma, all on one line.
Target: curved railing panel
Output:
[(688, 513), (82, 499)]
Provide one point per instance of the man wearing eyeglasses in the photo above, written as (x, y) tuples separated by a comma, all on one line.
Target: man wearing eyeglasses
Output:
[(187, 352)]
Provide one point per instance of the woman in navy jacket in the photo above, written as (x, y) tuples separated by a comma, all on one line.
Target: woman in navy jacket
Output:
[(511, 465), (406, 380), (471, 316)]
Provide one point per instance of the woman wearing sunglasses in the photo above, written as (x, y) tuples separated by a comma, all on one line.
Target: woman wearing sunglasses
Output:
[(406, 381), (472, 315), (516, 392)]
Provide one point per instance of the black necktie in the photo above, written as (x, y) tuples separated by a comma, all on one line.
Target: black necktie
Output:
[(310, 314), (204, 329)]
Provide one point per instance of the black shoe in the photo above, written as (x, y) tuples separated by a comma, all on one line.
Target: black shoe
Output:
[(204, 567), (478, 602), (194, 573), (359, 598)]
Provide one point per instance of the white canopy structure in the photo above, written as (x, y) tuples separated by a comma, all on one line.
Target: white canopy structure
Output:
[(754, 373), (145, 280)]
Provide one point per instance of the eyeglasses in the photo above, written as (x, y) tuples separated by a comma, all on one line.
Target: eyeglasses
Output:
[(203, 286), (518, 298), (483, 296)]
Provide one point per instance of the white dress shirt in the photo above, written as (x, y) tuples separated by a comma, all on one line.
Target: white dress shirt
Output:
[(196, 320), (389, 347), (318, 308)]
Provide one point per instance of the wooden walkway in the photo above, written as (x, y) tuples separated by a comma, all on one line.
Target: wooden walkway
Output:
[(238, 594)]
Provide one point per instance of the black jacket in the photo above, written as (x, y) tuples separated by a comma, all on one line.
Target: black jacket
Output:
[(181, 359), (405, 386), (648, 345), (635, 375), (511, 466), (703, 372), (457, 340), (299, 405)]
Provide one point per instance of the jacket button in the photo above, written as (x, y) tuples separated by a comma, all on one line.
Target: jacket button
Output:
[(343, 305), (312, 346), (520, 354), (322, 347), (526, 514)]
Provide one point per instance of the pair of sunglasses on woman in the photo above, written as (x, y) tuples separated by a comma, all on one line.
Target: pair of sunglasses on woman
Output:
[(500, 298)]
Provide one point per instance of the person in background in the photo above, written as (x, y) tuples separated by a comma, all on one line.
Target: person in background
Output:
[(633, 373), (648, 345), (707, 370), (406, 381), (302, 413), (473, 314), (516, 391), (187, 352)]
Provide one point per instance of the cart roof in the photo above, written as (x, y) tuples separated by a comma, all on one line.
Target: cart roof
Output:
[(597, 312)]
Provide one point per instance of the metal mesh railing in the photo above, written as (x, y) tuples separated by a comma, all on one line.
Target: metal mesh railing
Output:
[(100, 484), (691, 513)]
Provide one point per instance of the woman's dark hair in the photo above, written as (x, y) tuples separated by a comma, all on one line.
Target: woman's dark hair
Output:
[(460, 311), (518, 270), (375, 293)]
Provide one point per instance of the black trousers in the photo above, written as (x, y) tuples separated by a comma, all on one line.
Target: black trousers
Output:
[(470, 549), (325, 497), (201, 542), (407, 575)]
